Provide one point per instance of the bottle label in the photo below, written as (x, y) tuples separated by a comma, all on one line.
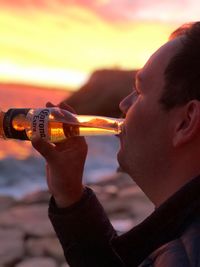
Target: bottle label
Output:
[(39, 122), (9, 130)]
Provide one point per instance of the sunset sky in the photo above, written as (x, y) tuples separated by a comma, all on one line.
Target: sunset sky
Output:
[(60, 42)]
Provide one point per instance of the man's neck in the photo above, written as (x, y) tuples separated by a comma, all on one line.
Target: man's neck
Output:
[(159, 192)]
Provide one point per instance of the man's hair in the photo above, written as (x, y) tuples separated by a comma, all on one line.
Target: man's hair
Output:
[(182, 75)]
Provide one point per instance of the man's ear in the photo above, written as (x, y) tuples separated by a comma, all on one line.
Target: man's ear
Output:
[(187, 123)]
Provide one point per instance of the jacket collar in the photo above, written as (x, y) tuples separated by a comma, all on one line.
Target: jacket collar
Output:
[(165, 224)]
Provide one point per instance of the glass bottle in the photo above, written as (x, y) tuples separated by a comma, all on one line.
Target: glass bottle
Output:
[(54, 124)]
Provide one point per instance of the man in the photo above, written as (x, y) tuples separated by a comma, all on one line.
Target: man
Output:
[(160, 149)]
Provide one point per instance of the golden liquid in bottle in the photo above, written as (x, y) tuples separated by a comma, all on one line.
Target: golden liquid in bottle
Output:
[(58, 131)]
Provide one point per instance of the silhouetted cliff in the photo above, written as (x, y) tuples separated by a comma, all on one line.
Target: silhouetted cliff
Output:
[(103, 92)]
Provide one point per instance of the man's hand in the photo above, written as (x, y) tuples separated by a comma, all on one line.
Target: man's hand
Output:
[(65, 165)]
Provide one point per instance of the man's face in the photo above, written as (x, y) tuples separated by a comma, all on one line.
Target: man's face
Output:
[(146, 136)]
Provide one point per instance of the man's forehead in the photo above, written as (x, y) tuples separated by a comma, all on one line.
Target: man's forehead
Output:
[(159, 60)]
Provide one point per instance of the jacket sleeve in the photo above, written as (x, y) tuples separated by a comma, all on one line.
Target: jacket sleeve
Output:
[(85, 233)]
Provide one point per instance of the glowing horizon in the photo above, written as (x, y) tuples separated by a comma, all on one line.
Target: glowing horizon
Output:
[(60, 78)]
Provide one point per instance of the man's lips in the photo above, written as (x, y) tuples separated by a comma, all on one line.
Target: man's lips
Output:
[(120, 135)]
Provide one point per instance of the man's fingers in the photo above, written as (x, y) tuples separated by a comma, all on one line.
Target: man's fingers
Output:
[(63, 105), (49, 105), (46, 149)]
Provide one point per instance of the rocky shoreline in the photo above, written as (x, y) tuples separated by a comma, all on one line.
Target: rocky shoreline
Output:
[(28, 239)]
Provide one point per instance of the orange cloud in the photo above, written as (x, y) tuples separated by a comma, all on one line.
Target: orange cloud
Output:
[(117, 10)]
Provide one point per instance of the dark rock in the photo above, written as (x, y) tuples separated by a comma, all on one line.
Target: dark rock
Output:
[(11, 246), (36, 197), (27, 236), (103, 92), (32, 219), (119, 179), (49, 246), (6, 202)]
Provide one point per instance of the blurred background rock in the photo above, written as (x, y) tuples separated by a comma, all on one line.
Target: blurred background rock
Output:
[(103, 92)]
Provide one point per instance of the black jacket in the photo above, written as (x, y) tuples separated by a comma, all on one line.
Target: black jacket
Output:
[(89, 240)]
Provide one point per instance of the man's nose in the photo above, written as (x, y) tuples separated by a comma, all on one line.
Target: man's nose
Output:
[(126, 103)]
